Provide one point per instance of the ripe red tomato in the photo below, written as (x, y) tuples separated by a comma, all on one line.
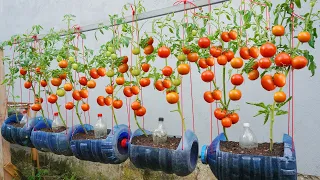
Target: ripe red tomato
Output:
[(235, 94), (304, 37), (164, 52), (109, 89), (148, 50), (125, 59), (279, 97), (268, 50), (172, 97), (23, 71), (202, 63), (144, 82), (135, 90), (123, 68), (215, 52), (225, 37), (69, 105), (245, 53), (63, 76), (254, 52), (135, 105), (83, 81), (185, 50), (183, 69), (39, 100), (237, 79), (210, 61), (100, 101), (282, 59), (299, 62), (166, 83), (193, 57), (108, 101), (101, 71), (264, 63), (229, 54), (207, 76), (43, 83), (267, 83), (233, 34), (204, 42), (159, 85), (63, 64), (36, 107), (253, 75), (234, 117), (117, 104), (85, 107), (27, 84), (94, 73), (217, 94), (236, 63), (279, 79), (208, 97), (67, 87), (38, 70), (145, 67), (56, 81), (76, 95), (167, 71), (127, 91), (52, 98), (255, 66), (141, 111), (226, 122), (120, 80), (278, 30), (219, 113), (91, 84), (84, 93), (222, 60)]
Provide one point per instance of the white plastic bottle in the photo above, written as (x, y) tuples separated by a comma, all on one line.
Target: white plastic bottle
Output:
[(248, 139), (100, 129), (160, 134), (56, 123), (25, 118)]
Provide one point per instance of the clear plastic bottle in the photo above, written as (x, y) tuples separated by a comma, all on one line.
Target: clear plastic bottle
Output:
[(25, 118), (160, 134), (100, 129), (56, 123), (248, 139)]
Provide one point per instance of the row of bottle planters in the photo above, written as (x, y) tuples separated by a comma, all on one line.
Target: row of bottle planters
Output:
[(116, 148)]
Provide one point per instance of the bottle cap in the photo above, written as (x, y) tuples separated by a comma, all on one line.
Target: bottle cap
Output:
[(99, 115), (246, 124), (55, 114), (160, 118)]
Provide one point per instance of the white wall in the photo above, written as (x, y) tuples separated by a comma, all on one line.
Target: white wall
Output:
[(16, 16)]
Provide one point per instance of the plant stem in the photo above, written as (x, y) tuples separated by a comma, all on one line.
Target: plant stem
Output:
[(271, 126), (77, 112), (225, 133), (224, 85), (113, 113), (137, 123), (181, 116)]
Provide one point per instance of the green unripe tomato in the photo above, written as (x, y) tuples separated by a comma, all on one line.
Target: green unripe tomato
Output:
[(194, 32), (182, 57), (108, 53), (74, 66), (71, 59), (110, 49), (136, 51), (176, 82), (59, 58), (110, 73), (113, 56), (61, 92), (124, 29), (135, 72)]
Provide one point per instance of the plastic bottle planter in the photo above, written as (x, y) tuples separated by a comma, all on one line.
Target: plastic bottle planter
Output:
[(225, 165), (18, 135), (112, 150), (58, 143), (180, 162)]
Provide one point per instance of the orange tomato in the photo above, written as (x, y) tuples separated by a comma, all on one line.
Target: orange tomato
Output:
[(63, 64), (109, 89), (91, 84), (127, 91), (225, 37), (226, 122), (193, 57), (304, 37), (120, 80), (210, 61), (279, 79), (235, 94), (236, 63), (63, 76), (217, 94), (85, 107), (166, 83), (254, 52), (159, 85), (222, 60), (36, 107), (279, 97), (229, 54), (108, 101), (144, 82), (245, 53), (100, 101), (27, 84), (253, 75), (56, 81), (135, 90), (94, 73), (101, 71), (76, 95), (233, 34), (234, 117), (52, 98), (202, 63), (172, 97), (268, 50), (67, 86), (183, 69), (299, 62), (43, 83), (84, 93), (140, 112), (208, 97), (215, 52), (145, 67), (219, 113), (278, 30), (123, 68), (135, 105), (267, 83), (117, 104)]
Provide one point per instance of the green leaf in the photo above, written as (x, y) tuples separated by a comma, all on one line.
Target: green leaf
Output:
[(266, 118), (298, 3), (312, 41), (171, 31), (247, 17), (279, 105), (281, 112), (260, 112), (258, 105)]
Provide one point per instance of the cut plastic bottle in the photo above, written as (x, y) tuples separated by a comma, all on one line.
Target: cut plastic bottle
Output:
[(248, 139), (56, 123), (160, 135), (25, 118), (100, 129)]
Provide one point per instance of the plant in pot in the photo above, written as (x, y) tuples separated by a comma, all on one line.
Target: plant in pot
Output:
[(98, 143), (17, 128), (170, 154), (279, 57)]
